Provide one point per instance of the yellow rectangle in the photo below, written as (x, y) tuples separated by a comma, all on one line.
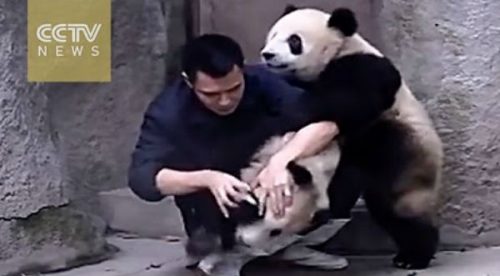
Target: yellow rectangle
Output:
[(69, 40)]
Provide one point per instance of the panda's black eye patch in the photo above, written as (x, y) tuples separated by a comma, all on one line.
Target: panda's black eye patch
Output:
[(295, 43)]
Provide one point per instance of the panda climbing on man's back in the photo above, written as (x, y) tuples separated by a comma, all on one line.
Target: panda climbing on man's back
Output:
[(390, 150)]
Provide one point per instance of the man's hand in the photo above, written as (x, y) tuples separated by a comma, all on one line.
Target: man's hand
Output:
[(227, 190), (274, 179), (272, 188)]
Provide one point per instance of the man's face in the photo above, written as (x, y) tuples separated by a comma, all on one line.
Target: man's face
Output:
[(220, 95)]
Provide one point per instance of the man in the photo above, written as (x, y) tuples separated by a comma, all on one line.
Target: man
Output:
[(220, 111)]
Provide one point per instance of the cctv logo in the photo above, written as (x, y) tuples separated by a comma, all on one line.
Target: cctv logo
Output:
[(46, 32), (65, 33), (68, 43)]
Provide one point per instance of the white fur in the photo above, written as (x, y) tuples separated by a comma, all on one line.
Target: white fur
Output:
[(322, 44), (306, 201), (317, 54)]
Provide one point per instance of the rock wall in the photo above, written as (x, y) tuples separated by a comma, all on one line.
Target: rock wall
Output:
[(96, 125), (35, 219), (450, 54), (60, 144)]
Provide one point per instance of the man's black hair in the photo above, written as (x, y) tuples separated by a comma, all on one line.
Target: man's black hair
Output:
[(212, 54)]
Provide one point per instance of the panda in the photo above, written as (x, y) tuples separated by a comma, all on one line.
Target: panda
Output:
[(309, 178), (390, 150)]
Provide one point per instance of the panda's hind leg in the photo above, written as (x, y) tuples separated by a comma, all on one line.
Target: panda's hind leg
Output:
[(397, 188), (416, 237), (345, 189)]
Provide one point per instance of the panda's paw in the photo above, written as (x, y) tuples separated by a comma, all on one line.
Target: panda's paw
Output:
[(411, 262)]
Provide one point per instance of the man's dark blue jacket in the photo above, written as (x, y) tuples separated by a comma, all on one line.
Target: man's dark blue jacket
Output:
[(178, 132)]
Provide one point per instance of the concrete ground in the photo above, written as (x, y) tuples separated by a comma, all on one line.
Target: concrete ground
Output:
[(156, 257)]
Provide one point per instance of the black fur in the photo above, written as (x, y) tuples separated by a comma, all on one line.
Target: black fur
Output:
[(247, 213), (301, 176), (288, 9), (216, 230), (383, 152), (202, 243), (344, 20), (372, 160), (220, 233), (354, 91), (417, 239), (295, 44)]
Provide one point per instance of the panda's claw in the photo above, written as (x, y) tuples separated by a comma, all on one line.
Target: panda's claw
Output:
[(405, 262), (251, 200)]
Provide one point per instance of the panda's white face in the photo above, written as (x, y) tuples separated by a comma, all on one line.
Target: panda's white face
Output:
[(297, 217), (309, 177), (301, 43)]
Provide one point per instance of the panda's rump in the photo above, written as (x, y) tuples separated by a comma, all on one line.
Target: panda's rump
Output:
[(394, 161)]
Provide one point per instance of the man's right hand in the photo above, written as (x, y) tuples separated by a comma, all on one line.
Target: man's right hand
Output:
[(227, 189)]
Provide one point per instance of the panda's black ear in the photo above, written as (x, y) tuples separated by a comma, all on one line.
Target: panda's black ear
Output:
[(288, 9), (344, 20)]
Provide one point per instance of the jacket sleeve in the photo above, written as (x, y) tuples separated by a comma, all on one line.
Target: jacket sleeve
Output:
[(151, 154)]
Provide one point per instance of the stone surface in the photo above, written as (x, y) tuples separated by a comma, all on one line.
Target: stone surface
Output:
[(479, 262), (248, 21), (60, 144), (137, 256), (33, 184), (125, 212), (96, 125), (449, 52), (143, 257), (30, 168), (52, 239)]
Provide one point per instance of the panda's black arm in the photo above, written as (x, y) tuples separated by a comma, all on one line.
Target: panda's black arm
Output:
[(349, 113), (355, 90)]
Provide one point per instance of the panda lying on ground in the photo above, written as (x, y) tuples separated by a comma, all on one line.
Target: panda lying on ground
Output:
[(390, 149), (309, 179)]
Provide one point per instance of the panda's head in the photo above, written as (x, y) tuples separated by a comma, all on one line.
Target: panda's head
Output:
[(255, 231), (303, 41)]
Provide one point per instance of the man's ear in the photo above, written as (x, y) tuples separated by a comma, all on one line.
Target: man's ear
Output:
[(186, 79)]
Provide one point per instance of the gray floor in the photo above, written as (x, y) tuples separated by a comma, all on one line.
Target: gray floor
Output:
[(147, 257)]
